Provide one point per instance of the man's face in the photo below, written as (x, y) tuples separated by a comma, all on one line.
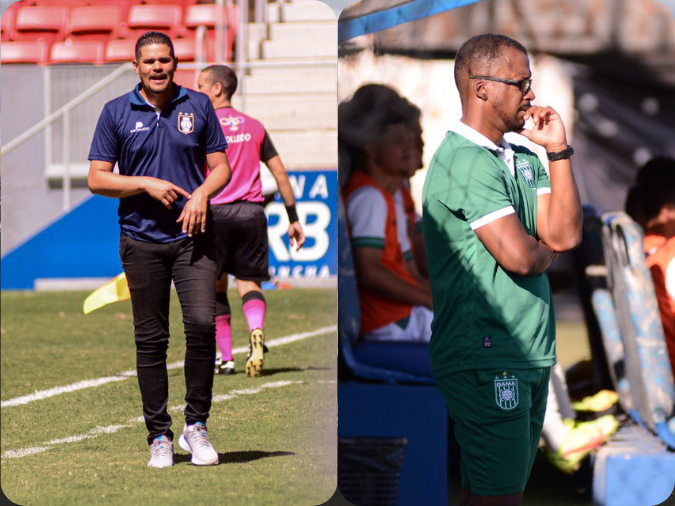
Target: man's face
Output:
[(509, 102), (393, 150), (156, 68), (416, 147), (205, 85)]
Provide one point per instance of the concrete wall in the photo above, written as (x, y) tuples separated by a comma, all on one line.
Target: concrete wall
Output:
[(30, 202), (554, 26)]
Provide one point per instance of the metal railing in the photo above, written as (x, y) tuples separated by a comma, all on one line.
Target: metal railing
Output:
[(63, 113)]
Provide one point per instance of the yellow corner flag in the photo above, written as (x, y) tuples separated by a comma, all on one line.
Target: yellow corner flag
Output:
[(114, 290)]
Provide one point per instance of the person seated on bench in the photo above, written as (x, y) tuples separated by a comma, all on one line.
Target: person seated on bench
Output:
[(655, 190), (395, 300)]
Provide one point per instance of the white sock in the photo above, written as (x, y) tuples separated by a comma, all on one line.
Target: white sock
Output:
[(554, 431)]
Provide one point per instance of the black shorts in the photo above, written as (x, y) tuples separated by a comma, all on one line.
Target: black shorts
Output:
[(241, 238)]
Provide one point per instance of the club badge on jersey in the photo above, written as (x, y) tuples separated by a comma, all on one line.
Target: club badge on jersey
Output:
[(527, 172), (186, 123)]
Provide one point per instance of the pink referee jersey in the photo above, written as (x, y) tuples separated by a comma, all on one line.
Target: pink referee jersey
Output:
[(245, 137)]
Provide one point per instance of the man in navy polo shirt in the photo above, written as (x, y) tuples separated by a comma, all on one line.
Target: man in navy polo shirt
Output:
[(161, 135)]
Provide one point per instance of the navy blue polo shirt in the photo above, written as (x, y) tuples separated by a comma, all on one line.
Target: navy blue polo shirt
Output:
[(171, 144)]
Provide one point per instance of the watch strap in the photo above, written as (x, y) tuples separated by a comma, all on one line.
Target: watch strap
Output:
[(560, 155)]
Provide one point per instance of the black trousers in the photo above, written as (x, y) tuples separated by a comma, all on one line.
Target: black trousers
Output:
[(150, 268)]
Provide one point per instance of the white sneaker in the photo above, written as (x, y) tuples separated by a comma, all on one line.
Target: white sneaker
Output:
[(195, 440), (161, 452)]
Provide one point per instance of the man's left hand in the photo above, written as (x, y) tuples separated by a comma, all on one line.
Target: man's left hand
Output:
[(194, 214), (296, 234), (548, 129)]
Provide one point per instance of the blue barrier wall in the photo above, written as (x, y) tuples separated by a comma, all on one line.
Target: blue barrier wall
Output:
[(84, 242), (316, 197), (80, 244)]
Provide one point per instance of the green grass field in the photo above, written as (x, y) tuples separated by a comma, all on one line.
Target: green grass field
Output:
[(276, 435)]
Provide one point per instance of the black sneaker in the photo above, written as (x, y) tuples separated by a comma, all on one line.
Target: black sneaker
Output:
[(225, 367)]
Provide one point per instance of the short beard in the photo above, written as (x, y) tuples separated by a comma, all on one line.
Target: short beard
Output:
[(513, 123)]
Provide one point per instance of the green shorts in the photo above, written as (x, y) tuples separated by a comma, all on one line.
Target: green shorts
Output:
[(498, 418)]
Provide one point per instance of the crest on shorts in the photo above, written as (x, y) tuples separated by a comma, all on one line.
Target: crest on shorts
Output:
[(506, 391), (186, 123), (527, 172)]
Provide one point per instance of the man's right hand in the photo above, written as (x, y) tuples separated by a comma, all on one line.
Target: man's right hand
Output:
[(164, 191)]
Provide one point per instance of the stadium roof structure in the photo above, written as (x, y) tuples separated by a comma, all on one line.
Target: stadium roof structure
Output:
[(364, 17)]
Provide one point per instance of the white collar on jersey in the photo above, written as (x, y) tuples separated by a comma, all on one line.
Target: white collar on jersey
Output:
[(504, 150)]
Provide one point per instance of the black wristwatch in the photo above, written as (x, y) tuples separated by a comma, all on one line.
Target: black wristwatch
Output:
[(560, 155)]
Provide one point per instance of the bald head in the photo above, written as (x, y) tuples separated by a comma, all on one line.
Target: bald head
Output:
[(481, 55)]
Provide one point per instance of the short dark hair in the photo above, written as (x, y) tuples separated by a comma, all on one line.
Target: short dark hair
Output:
[(478, 55), (633, 206), (153, 37), (364, 118), (370, 111), (224, 75), (656, 185)]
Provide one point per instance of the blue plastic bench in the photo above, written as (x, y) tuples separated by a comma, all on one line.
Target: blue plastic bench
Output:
[(388, 391)]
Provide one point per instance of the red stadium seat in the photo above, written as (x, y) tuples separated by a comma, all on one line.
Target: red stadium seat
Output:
[(163, 18), (186, 49), (186, 78), (184, 4), (46, 23), (77, 51), (29, 51), (71, 4), (120, 50), (94, 23), (8, 19), (124, 6), (205, 15)]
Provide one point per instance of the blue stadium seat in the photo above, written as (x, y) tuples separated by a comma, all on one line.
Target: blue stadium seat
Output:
[(646, 356), (391, 362), (369, 408), (609, 368), (635, 466)]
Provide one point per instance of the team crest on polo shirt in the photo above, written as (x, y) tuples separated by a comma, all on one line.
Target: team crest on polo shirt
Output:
[(186, 123), (527, 172), (506, 391)]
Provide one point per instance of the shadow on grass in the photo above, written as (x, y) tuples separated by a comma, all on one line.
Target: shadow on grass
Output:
[(281, 370), (235, 457)]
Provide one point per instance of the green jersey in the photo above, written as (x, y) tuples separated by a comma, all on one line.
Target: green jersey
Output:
[(484, 316)]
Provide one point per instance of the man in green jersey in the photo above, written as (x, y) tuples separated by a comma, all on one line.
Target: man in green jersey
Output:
[(493, 223)]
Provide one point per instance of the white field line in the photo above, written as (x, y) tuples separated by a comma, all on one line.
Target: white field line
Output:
[(110, 429), (80, 385)]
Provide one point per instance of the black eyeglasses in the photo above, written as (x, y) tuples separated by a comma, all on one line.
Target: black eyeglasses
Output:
[(523, 85)]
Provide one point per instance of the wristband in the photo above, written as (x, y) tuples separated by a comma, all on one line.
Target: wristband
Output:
[(292, 214), (560, 155)]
